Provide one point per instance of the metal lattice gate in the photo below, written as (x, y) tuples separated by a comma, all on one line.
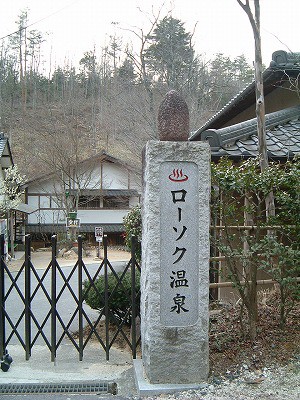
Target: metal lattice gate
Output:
[(49, 305)]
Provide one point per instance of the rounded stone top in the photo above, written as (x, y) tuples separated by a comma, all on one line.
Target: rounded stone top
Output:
[(173, 118)]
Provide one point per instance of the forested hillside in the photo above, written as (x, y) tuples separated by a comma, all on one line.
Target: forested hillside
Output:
[(110, 100)]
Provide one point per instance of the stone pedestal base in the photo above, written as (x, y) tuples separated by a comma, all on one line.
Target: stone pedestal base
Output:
[(145, 388)]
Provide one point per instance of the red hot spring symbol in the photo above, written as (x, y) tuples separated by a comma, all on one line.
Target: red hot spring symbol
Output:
[(178, 176)]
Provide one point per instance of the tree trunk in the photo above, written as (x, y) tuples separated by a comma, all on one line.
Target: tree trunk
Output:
[(252, 324), (11, 233), (250, 275), (260, 100)]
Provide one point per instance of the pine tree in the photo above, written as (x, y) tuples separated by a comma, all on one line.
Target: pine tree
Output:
[(170, 56)]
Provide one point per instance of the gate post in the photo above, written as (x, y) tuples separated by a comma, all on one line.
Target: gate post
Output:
[(27, 298), (80, 298), (53, 298), (2, 303), (175, 261), (133, 297), (106, 308)]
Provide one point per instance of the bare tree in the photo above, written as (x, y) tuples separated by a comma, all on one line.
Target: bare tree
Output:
[(254, 18), (259, 85), (139, 61), (11, 197)]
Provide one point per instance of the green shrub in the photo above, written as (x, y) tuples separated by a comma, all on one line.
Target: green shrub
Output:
[(239, 196), (133, 226), (119, 302)]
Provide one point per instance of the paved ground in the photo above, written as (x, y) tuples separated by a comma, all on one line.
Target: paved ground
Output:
[(41, 258), (67, 368)]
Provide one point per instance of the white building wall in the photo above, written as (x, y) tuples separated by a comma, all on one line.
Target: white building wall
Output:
[(101, 216), (47, 217), (47, 186), (114, 177), (92, 178), (33, 201)]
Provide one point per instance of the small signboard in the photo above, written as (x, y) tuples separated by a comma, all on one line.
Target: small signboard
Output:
[(73, 223), (99, 233)]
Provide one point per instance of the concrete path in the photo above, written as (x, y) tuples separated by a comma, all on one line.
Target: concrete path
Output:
[(67, 367), (41, 258)]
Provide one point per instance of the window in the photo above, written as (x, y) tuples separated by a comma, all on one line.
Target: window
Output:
[(44, 202), (89, 202), (121, 202), (111, 202)]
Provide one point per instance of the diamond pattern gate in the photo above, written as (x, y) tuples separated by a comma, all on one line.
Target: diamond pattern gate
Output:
[(46, 306)]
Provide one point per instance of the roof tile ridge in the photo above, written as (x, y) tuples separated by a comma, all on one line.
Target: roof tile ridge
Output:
[(223, 109), (244, 130)]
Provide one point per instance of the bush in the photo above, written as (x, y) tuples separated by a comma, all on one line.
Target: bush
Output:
[(240, 194), (119, 294), (133, 226)]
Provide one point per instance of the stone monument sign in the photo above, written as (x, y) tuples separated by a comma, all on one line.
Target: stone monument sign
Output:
[(175, 253)]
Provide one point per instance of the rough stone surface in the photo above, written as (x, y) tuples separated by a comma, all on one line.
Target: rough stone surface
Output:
[(173, 354), (173, 118)]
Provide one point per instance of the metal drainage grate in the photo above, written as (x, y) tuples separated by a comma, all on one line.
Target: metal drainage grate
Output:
[(86, 387)]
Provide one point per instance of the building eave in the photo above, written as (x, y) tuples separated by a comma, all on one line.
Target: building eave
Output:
[(273, 77)]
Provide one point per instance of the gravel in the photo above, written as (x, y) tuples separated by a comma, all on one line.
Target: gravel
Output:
[(272, 383)]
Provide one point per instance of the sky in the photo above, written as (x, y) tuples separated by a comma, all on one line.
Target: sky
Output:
[(73, 27)]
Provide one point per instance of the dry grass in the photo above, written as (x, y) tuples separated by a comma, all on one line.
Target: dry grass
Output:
[(230, 348)]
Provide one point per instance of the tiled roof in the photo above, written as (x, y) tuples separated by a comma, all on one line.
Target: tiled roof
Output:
[(5, 153), (97, 158), (240, 140)]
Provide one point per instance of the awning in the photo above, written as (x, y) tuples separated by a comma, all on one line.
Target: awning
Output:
[(25, 208)]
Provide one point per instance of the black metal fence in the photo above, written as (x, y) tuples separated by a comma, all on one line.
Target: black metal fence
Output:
[(47, 305)]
